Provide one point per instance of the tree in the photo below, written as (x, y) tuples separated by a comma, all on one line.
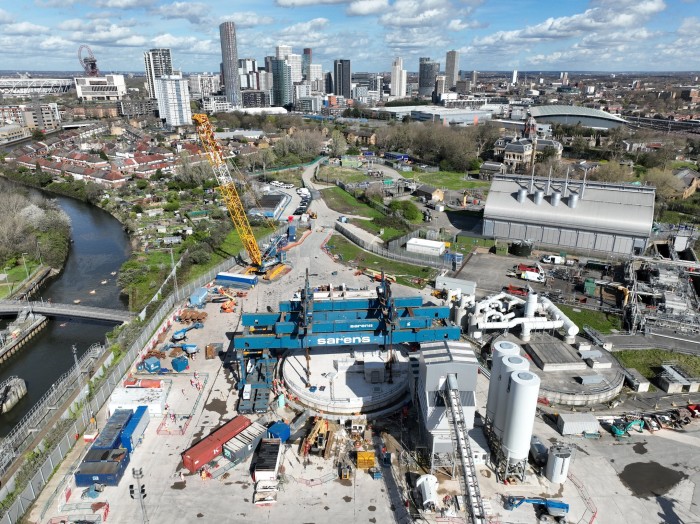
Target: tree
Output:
[(338, 144), (667, 185), (142, 184), (38, 134)]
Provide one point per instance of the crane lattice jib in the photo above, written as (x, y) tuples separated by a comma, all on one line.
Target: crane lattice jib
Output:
[(227, 187)]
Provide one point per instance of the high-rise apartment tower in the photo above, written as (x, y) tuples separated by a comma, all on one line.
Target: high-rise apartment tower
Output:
[(229, 56), (158, 63)]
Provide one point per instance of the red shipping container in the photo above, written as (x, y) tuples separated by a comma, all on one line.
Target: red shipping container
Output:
[(211, 447)]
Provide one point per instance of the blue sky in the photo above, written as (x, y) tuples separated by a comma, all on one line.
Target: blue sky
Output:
[(539, 35)]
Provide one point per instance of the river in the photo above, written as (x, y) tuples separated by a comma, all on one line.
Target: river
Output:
[(99, 248)]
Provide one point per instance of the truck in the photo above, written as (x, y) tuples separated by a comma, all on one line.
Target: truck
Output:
[(553, 259), (531, 276)]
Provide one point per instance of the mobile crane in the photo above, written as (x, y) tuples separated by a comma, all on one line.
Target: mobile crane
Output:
[(261, 261), (555, 509)]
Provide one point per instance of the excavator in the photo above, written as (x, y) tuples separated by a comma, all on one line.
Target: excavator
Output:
[(622, 429), (549, 509)]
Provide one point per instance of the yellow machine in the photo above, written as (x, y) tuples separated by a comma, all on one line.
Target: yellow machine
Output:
[(233, 202)]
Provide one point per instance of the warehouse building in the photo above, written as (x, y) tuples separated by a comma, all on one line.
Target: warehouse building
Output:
[(570, 215)]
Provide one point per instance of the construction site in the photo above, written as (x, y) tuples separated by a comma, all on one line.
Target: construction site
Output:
[(302, 389)]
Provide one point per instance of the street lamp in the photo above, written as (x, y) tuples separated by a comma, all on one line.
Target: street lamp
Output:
[(24, 260), (139, 492)]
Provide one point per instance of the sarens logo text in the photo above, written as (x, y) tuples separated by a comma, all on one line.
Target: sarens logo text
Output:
[(343, 340)]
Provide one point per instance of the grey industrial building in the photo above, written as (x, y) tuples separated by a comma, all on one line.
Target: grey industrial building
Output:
[(570, 214)]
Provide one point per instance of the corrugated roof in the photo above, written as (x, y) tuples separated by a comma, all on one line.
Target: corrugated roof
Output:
[(555, 110), (577, 423), (619, 209)]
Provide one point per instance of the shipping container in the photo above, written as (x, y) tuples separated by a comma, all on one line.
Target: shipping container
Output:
[(426, 247), (268, 460), (211, 447), (233, 279), (109, 437), (279, 430), (292, 233), (105, 455), (134, 430), (107, 473), (242, 446)]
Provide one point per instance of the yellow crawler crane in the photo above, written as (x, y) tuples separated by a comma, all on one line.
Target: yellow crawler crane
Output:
[(227, 187)]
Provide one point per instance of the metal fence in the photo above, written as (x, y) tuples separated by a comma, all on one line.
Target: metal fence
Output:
[(17, 442), (416, 259)]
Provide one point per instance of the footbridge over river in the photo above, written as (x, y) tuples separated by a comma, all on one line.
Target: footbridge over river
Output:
[(52, 309)]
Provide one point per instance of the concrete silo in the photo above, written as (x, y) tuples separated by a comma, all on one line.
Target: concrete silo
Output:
[(501, 348), (509, 365), (522, 389)]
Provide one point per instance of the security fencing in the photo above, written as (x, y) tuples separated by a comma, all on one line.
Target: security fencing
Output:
[(416, 259), (56, 448)]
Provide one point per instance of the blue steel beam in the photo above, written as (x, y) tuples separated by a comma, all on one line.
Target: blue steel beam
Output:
[(344, 338), (270, 319), (350, 304)]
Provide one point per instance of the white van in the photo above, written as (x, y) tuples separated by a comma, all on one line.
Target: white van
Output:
[(553, 259)]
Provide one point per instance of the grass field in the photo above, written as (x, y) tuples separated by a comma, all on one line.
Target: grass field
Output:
[(288, 176), (371, 226), (674, 217), (16, 275), (601, 322), (349, 176), (343, 202), (648, 361), (353, 256), (469, 243), (449, 180)]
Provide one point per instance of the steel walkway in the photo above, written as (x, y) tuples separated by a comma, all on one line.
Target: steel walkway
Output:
[(460, 439), (50, 309)]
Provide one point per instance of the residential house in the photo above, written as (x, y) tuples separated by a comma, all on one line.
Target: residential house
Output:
[(690, 180)]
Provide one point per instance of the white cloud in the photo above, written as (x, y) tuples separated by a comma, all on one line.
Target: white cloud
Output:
[(24, 28), (367, 7), (250, 19), (125, 4), (415, 39), (74, 24), (297, 3), (690, 26), (303, 28), (55, 3), (5, 17), (186, 44), (194, 12)]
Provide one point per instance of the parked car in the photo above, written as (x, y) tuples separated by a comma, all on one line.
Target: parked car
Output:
[(288, 186)]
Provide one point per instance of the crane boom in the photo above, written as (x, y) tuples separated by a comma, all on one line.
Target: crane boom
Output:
[(227, 187)]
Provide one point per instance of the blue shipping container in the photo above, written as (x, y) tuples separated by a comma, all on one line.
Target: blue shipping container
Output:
[(109, 437), (180, 363), (134, 430), (236, 278), (279, 430), (108, 473)]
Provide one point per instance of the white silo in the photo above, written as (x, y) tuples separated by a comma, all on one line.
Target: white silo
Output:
[(459, 313), (501, 348), (558, 464), (509, 365), (523, 388)]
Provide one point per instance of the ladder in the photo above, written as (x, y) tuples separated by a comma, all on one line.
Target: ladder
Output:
[(460, 441)]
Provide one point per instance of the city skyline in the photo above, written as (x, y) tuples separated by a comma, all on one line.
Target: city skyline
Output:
[(595, 35)]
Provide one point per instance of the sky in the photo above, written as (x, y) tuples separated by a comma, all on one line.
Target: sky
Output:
[(528, 35)]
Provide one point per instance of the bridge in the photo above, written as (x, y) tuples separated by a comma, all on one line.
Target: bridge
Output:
[(52, 309)]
